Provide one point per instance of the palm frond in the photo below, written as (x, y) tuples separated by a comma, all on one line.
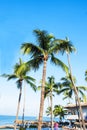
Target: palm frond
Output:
[(63, 90), (5, 75), (21, 70), (86, 75), (65, 97), (48, 111), (43, 38), (84, 88), (35, 62), (32, 85), (39, 88), (29, 78), (81, 93), (58, 62), (64, 46), (13, 76), (26, 48), (30, 48)]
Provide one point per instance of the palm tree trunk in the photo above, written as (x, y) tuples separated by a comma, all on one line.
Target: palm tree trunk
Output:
[(42, 96), (23, 107), (76, 92), (48, 101), (18, 107), (78, 113), (51, 111)]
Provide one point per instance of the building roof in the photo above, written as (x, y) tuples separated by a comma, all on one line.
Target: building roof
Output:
[(83, 104)]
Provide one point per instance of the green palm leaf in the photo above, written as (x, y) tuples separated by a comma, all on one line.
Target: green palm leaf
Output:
[(58, 62)]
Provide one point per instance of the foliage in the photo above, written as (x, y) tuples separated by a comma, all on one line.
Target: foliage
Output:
[(66, 87), (57, 111)]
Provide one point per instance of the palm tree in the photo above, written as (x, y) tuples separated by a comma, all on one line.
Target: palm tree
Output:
[(50, 88), (59, 111), (67, 47), (20, 73), (67, 87), (40, 54)]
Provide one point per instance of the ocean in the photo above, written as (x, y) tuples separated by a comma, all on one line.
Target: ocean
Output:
[(6, 120)]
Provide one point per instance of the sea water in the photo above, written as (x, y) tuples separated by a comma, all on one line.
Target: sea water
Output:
[(8, 120)]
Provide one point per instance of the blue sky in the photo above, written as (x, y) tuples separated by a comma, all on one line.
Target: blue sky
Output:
[(18, 19)]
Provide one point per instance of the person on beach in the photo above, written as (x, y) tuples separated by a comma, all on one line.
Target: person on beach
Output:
[(56, 126)]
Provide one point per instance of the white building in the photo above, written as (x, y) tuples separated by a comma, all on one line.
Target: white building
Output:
[(73, 110)]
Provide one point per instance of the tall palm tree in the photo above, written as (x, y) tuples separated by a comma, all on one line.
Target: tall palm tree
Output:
[(40, 53), (50, 88), (67, 47), (20, 74), (67, 88)]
